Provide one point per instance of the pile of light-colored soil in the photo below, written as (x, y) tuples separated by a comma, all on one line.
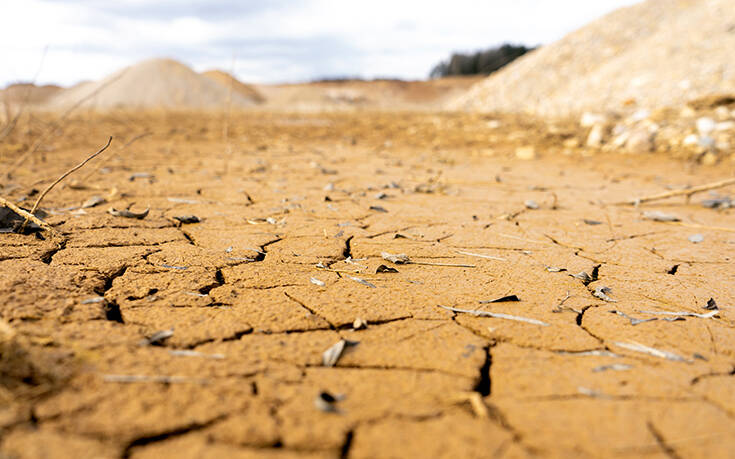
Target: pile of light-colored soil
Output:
[(654, 54), (151, 84), (238, 87), (27, 93), (360, 94)]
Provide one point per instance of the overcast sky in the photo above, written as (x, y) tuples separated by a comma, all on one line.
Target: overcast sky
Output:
[(271, 40)]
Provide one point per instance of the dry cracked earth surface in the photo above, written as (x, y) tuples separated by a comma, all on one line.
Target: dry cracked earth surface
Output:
[(153, 337)]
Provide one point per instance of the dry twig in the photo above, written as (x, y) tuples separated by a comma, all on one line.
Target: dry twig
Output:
[(28, 216), (670, 194), (63, 176)]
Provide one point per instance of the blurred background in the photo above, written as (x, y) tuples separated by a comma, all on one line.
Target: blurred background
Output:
[(276, 41)]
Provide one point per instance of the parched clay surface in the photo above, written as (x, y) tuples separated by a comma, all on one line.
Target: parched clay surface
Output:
[(295, 213)]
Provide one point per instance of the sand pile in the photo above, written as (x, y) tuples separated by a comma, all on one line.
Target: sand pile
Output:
[(151, 84), (653, 54), (27, 93), (227, 80)]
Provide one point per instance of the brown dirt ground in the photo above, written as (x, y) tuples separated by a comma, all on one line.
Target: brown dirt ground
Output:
[(289, 191)]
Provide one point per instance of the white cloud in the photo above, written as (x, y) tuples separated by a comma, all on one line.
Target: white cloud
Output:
[(277, 40)]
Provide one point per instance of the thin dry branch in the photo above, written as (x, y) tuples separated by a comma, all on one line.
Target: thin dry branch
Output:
[(28, 216), (670, 194), (114, 154), (63, 176)]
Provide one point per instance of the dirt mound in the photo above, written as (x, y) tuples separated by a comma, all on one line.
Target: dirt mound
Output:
[(27, 93), (154, 83), (360, 94), (657, 53), (227, 80)]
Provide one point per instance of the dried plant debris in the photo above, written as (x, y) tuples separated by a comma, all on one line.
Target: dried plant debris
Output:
[(94, 299), (93, 201), (153, 379), (602, 293), (711, 305), (719, 202), (361, 281), (633, 320), (378, 209), (183, 201), (316, 281), (502, 299), (187, 219), (402, 259), (157, 338), (637, 347), (327, 402), (531, 204), (612, 367), (179, 268), (140, 175), (128, 213), (591, 222), (707, 315), (496, 315), (592, 353), (659, 216), (331, 356), (385, 269), (479, 255), (588, 278), (399, 259), (696, 238), (554, 269), (189, 353)]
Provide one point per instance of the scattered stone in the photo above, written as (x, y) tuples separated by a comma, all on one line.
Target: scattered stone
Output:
[(696, 238), (594, 140), (705, 125), (359, 324), (526, 153)]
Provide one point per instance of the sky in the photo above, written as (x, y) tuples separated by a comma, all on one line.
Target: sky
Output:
[(269, 41)]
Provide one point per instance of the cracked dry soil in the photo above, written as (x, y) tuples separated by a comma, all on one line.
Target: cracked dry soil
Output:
[(295, 211)]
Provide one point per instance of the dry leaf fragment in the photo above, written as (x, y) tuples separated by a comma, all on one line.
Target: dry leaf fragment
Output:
[(696, 238), (128, 213), (711, 305), (362, 281), (531, 204), (554, 269), (633, 320), (637, 347), (399, 259), (658, 216), (157, 338), (680, 314), (378, 209), (591, 222), (385, 269), (93, 201), (614, 367), (331, 356), (316, 281), (601, 293), (186, 219), (496, 315), (502, 299), (327, 402)]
